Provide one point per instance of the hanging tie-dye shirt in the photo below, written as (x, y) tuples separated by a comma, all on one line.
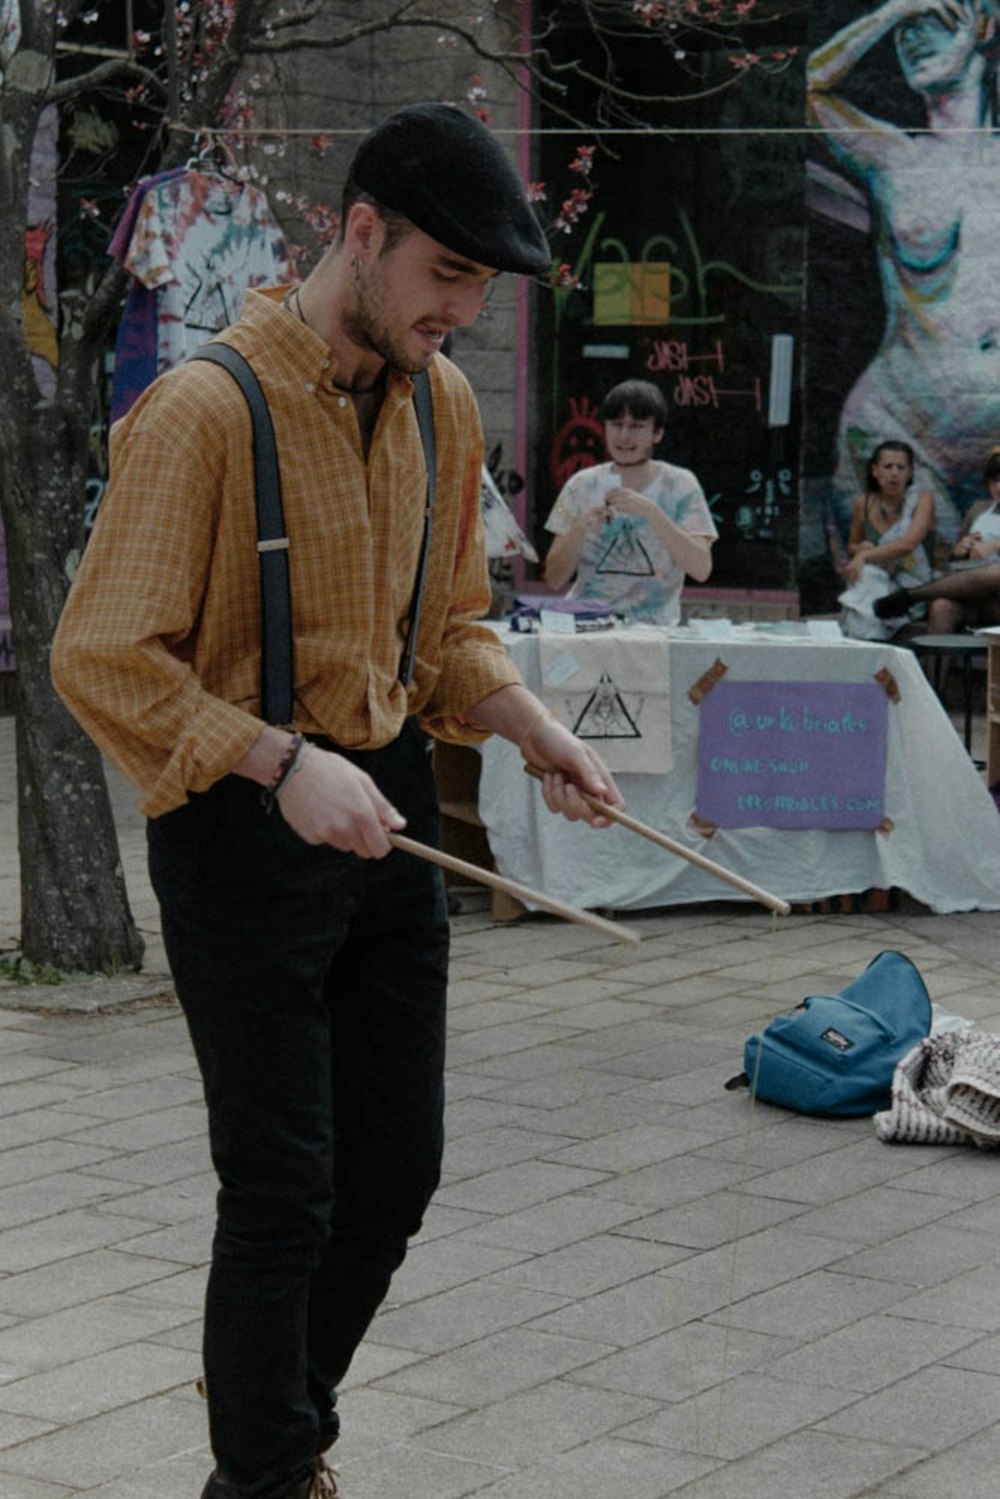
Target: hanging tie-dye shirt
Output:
[(202, 241)]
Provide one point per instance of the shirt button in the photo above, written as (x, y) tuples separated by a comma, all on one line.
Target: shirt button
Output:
[(324, 364), (341, 400), (310, 387)]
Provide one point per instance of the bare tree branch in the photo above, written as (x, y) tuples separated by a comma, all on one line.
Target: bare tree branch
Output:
[(206, 105), (170, 49), (311, 12), (104, 302), (533, 69), (397, 21), (97, 77)]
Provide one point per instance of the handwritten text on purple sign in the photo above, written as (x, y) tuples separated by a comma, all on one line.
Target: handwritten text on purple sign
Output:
[(793, 755)]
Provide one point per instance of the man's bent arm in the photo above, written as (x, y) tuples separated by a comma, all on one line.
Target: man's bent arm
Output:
[(518, 715)]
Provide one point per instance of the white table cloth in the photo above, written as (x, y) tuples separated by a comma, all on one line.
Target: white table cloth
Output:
[(944, 847)]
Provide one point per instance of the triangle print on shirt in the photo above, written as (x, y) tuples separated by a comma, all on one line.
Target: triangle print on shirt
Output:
[(625, 553)]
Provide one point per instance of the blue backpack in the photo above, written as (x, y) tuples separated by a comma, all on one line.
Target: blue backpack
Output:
[(836, 1053)]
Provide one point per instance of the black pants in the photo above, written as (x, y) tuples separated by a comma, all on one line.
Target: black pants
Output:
[(313, 984)]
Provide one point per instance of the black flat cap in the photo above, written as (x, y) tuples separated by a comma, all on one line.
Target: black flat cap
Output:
[(448, 174)]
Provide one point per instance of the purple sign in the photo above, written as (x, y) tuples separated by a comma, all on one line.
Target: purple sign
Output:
[(793, 755)]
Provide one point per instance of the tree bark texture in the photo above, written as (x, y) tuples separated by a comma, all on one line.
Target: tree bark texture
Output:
[(75, 913)]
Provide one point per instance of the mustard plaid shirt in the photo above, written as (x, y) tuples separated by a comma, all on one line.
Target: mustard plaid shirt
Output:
[(158, 649)]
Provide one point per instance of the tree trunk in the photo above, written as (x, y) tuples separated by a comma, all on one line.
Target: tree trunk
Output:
[(74, 906), (75, 913)]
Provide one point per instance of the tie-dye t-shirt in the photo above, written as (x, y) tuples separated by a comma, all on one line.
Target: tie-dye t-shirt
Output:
[(625, 564), (202, 240)]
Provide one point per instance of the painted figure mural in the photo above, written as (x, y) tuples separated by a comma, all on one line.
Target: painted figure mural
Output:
[(934, 380)]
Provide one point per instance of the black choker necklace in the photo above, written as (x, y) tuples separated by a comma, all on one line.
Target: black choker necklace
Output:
[(293, 302), (357, 390)]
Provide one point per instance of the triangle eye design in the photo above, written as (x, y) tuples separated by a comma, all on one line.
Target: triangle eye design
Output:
[(625, 555), (605, 716)]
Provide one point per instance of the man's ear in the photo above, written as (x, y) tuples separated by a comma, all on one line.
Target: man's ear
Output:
[(363, 228)]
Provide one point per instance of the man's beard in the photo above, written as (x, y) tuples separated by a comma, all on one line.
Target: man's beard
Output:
[(365, 325)]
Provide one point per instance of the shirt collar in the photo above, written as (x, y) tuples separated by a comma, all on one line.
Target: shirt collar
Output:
[(292, 341)]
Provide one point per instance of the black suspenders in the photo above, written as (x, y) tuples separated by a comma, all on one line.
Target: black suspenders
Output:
[(276, 672), (425, 420), (272, 543)]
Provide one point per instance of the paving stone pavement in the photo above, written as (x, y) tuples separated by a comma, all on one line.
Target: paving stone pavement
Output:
[(631, 1282)]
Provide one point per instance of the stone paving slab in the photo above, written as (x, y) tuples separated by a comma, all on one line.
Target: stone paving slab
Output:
[(631, 1281)]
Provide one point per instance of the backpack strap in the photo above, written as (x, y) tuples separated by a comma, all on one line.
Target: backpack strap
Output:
[(272, 543)]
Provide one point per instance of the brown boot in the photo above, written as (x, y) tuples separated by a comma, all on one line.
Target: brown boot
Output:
[(218, 1488), (322, 1485)]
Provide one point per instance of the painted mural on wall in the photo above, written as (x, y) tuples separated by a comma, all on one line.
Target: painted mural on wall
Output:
[(903, 313)]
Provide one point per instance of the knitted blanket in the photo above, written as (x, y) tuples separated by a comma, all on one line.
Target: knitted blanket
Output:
[(946, 1091)]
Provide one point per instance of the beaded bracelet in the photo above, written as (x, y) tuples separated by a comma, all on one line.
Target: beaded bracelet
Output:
[(269, 795)]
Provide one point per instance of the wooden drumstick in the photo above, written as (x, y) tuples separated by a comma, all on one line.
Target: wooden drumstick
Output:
[(765, 898), (520, 892)]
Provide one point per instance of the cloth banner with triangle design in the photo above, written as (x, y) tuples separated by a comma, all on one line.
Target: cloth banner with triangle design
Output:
[(613, 690)]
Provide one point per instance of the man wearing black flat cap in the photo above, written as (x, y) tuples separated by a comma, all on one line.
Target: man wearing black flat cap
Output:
[(309, 955)]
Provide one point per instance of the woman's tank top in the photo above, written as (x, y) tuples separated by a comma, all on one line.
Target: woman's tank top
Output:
[(915, 567)]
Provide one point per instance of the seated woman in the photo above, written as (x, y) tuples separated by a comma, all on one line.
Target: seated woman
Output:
[(969, 595), (890, 525), (627, 532)]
